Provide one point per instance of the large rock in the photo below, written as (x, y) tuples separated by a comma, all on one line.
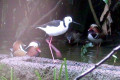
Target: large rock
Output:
[(24, 69)]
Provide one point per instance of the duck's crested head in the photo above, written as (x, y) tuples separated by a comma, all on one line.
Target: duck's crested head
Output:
[(93, 25), (34, 44)]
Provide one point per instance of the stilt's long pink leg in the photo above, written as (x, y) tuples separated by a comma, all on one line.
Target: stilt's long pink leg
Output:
[(58, 53), (51, 48)]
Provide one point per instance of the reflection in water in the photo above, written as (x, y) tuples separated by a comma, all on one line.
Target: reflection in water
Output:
[(73, 52)]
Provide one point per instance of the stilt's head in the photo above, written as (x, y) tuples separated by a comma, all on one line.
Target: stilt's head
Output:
[(67, 20)]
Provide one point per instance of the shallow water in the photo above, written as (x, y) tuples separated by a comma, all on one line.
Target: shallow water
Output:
[(74, 52)]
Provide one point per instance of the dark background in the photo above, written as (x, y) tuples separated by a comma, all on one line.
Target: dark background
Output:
[(17, 17)]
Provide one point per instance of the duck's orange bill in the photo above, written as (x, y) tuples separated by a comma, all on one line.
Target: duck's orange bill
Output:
[(90, 29), (38, 49)]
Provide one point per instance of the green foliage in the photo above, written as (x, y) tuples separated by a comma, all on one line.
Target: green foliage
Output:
[(11, 75), (115, 58), (106, 1), (54, 73), (66, 72), (84, 48), (38, 75), (59, 78), (2, 66), (71, 1), (2, 78)]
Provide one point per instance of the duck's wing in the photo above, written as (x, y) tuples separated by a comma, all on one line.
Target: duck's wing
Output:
[(96, 36)]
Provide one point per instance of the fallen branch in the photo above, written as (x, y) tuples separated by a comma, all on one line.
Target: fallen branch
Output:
[(99, 63)]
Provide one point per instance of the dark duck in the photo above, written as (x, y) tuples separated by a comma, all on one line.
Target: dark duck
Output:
[(73, 37)]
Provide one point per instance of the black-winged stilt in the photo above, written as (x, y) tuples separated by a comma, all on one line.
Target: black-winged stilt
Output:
[(56, 28)]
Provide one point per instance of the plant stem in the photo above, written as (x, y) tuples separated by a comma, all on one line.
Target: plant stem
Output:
[(93, 12), (11, 71), (54, 73), (66, 72), (59, 78), (38, 75)]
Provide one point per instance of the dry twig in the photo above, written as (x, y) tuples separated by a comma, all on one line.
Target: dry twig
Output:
[(99, 63)]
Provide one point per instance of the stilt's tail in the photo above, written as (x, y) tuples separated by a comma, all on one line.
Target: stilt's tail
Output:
[(40, 28)]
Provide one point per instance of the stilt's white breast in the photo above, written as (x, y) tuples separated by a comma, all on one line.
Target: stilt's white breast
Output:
[(55, 31)]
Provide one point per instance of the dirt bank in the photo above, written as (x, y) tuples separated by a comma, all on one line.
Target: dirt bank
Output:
[(24, 69)]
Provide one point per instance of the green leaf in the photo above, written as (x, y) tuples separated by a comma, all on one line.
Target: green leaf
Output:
[(106, 1), (84, 48), (3, 78), (89, 45), (11, 71), (59, 78), (38, 75), (66, 71), (54, 73), (114, 56), (70, 1)]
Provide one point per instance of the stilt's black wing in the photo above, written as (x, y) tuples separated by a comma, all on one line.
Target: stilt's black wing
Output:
[(54, 23)]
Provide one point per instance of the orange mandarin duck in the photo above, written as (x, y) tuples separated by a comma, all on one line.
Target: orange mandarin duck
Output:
[(33, 49), (19, 50)]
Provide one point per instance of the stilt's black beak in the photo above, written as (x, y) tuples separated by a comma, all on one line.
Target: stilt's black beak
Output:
[(77, 23)]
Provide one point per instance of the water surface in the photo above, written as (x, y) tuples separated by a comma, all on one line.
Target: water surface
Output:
[(73, 52)]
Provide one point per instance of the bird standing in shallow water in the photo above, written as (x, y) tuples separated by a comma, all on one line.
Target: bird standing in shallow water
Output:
[(95, 35), (56, 28), (73, 37), (19, 50)]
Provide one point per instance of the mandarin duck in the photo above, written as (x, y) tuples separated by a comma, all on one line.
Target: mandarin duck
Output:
[(95, 34), (19, 50)]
